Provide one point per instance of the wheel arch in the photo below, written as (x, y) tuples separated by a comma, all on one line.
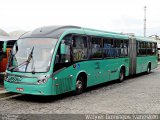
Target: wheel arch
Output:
[(149, 63), (124, 68), (84, 75)]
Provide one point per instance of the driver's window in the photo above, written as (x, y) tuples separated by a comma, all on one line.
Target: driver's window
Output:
[(66, 57)]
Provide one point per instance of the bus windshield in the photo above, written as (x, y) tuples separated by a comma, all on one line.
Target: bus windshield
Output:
[(32, 55)]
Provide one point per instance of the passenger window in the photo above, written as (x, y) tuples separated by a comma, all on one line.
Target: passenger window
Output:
[(125, 47), (153, 49), (149, 48), (115, 48), (122, 48), (118, 48), (107, 47), (97, 46), (141, 48), (79, 48)]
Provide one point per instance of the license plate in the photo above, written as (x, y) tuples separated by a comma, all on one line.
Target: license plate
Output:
[(20, 89)]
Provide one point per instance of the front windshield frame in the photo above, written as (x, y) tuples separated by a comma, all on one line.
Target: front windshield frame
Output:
[(48, 66)]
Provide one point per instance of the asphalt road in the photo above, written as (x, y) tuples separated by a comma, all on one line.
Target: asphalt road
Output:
[(136, 95)]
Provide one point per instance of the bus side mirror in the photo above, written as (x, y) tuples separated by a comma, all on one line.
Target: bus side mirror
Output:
[(63, 49)]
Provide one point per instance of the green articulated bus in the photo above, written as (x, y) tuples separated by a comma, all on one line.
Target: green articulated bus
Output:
[(58, 59)]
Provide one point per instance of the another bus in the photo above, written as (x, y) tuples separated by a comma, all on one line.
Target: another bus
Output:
[(58, 59), (6, 43)]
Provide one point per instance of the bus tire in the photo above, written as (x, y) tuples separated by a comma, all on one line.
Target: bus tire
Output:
[(80, 85), (149, 68), (121, 75)]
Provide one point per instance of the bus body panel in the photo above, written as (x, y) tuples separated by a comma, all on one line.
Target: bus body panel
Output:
[(101, 71), (143, 61)]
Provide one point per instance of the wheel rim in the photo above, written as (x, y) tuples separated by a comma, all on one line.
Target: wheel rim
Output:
[(79, 84), (121, 76), (148, 70)]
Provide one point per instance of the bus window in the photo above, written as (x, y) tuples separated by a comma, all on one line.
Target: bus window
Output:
[(65, 58), (122, 48), (150, 49), (141, 48), (154, 47), (148, 46), (125, 48), (108, 46), (118, 46), (97, 45), (79, 48)]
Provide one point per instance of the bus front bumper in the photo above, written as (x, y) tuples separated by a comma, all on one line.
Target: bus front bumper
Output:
[(43, 89)]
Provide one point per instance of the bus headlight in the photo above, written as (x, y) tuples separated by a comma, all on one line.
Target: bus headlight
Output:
[(42, 81), (6, 77)]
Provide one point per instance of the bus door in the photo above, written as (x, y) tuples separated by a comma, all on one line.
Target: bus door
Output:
[(99, 73), (132, 55), (63, 68)]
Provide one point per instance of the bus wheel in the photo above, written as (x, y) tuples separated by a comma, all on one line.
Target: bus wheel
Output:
[(149, 68), (121, 75), (79, 85)]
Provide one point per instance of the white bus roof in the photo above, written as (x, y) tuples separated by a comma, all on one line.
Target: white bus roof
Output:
[(8, 38)]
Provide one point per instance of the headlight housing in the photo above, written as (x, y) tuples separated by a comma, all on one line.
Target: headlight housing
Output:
[(42, 81)]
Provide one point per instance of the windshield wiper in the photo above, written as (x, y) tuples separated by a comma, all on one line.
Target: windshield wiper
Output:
[(24, 63), (29, 58), (11, 55)]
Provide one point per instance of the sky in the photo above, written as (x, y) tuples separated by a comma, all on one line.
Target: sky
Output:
[(125, 16)]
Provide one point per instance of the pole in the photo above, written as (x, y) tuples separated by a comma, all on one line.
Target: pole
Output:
[(145, 21)]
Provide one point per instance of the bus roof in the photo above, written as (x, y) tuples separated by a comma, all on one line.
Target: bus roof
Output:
[(50, 31), (57, 31), (7, 38), (140, 38), (105, 33)]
